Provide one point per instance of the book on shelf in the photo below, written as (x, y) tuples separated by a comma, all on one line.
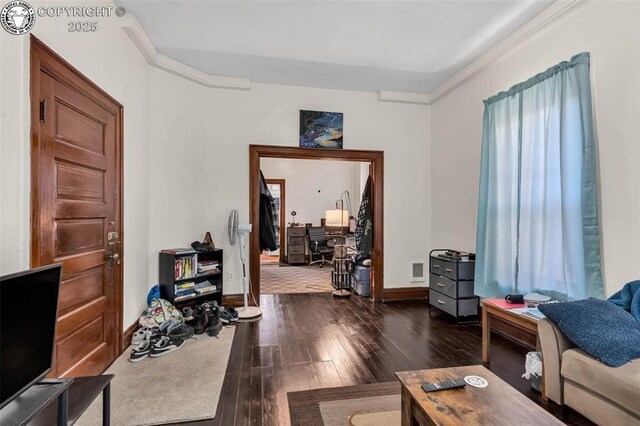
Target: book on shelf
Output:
[(209, 272), (207, 268), (185, 267), (184, 296), (204, 287), (185, 285)]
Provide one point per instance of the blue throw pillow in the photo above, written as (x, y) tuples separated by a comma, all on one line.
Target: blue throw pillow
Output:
[(602, 329)]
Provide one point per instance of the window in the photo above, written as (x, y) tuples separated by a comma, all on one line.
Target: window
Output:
[(537, 212)]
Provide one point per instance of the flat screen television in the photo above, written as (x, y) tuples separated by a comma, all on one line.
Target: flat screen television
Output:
[(28, 314)]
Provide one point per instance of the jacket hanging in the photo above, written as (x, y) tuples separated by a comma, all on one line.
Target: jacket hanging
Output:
[(268, 232), (364, 227)]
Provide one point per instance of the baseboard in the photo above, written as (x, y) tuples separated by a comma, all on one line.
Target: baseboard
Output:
[(233, 300), (127, 335), (405, 293)]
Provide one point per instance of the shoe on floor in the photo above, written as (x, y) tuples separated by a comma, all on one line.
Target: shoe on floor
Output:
[(165, 345), (215, 325), (225, 317), (145, 333), (200, 319), (139, 336), (187, 313), (140, 351), (233, 313), (180, 331)]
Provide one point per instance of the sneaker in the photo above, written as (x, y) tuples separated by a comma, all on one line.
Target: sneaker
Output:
[(145, 333), (233, 313), (187, 313), (215, 325), (180, 331), (139, 336), (200, 319), (225, 317), (162, 329), (140, 351), (165, 345)]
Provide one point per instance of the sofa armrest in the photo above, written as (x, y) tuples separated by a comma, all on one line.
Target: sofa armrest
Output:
[(553, 344)]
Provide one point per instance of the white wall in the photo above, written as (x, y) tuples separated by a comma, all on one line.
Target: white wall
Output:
[(611, 32), (313, 186), (111, 61), (208, 168)]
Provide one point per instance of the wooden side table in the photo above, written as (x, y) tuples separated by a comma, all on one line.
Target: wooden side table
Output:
[(491, 310), (497, 404)]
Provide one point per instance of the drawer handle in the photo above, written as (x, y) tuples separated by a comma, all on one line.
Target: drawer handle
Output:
[(440, 285), (441, 302), (436, 266), (449, 270)]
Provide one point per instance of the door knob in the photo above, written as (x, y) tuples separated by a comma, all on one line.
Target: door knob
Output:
[(114, 257)]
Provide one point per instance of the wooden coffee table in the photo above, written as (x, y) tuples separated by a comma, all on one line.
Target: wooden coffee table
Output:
[(497, 404)]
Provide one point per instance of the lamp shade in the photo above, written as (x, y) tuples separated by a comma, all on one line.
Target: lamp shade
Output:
[(337, 218)]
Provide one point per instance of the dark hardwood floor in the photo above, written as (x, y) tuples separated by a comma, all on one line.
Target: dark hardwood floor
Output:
[(308, 341)]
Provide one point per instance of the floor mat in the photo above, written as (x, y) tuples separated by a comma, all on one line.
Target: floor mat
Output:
[(181, 386)]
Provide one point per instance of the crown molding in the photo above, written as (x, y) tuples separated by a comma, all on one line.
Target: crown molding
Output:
[(404, 97), (559, 8), (521, 35), (139, 37)]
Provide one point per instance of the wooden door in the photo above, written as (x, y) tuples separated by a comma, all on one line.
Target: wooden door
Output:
[(76, 218)]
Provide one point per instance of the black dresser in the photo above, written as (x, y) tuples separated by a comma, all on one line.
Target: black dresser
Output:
[(451, 284)]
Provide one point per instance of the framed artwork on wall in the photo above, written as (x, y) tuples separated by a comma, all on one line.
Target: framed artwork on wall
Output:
[(321, 129)]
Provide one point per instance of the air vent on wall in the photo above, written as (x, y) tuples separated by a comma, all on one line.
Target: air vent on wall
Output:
[(416, 272)]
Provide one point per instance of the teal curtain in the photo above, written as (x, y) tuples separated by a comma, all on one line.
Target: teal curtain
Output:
[(537, 209)]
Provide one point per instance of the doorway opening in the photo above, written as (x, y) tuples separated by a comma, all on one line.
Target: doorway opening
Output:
[(278, 190), (306, 241), (375, 162)]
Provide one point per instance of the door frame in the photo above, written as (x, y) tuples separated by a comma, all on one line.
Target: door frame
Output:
[(43, 58), (283, 198), (376, 167)]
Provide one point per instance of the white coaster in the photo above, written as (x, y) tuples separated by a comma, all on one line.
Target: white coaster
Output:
[(476, 381)]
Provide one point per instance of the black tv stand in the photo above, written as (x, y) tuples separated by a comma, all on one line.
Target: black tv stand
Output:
[(38, 397), (74, 397)]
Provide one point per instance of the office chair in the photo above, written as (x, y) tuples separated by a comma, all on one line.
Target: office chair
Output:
[(318, 245)]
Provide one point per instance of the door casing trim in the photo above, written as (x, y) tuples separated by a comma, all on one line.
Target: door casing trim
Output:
[(376, 167)]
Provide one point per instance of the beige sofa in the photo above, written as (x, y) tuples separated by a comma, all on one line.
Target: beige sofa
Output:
[(605, 395)]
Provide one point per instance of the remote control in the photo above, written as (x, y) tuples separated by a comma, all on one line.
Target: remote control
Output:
[(447, 384)]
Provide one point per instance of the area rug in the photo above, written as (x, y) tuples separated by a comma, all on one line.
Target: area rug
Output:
[(181, 386), (336, 406), (295, 279), (386, 418), (370, 410)]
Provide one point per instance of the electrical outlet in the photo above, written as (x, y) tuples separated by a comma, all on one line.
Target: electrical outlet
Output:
[(229, 276)]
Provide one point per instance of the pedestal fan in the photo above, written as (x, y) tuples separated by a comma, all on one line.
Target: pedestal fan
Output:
[(237, 232)]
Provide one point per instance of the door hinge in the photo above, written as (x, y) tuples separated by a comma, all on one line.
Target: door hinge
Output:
[(43, 110)]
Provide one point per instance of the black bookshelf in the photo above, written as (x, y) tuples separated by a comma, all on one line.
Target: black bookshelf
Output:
[(170, 275)]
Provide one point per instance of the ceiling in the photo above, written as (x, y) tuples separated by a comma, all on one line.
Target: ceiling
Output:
[(409, 46)]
